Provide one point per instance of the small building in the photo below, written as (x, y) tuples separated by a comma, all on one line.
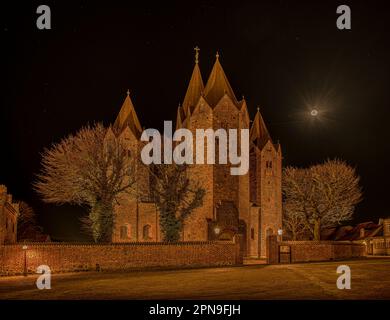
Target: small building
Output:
[(376, 236), (9, 212), (378, 243)]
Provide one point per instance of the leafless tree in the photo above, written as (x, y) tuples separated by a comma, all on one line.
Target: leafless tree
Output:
[(176, 197), (89, 168), (321, 196), (293, 224)]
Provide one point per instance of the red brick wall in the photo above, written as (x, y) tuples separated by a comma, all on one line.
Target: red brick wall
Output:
[(307, 251), (304, 251), (78, 257)]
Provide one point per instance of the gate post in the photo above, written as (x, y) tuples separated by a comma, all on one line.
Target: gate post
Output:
[(272, 249), (237, 239)]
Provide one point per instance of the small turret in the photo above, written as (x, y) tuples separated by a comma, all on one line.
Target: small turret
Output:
[(128, 117), (259, 134)]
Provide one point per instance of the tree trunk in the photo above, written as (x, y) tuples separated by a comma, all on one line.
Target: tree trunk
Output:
[(317, 229), (294, 235), (101, 216)]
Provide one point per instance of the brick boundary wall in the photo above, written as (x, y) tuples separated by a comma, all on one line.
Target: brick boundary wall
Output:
[(70, 257), (311, 251)]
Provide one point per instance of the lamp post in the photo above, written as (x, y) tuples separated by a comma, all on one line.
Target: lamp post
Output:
[(217, 231), (25, 260), (280, 234)]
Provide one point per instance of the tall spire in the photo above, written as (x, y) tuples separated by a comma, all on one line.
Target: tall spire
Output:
[(195, 87), (259, 133), (128, 117), (218, 84)]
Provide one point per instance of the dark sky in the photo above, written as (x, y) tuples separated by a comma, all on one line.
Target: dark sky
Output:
[(284, 56)]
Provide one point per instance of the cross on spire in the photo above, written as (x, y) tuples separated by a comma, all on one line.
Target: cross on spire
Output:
[(217, 55), (196, 54), (128, 92)]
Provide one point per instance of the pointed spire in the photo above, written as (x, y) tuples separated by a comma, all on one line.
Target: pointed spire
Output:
[(179, 118), (259, 133), (128, 117), (195, 87), (218, 84)]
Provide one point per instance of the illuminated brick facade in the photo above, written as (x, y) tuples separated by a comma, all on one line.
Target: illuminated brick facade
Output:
[(9, 212), (249, 205)]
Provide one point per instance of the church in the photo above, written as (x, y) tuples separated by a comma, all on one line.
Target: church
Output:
[(248, 205)]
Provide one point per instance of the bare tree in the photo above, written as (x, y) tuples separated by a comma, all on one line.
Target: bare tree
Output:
[(89, 168), (295, 188), (176, 197), (321, 196), (28, 228), (293, 223)]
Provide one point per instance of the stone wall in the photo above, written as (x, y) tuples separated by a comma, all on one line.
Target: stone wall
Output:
[(84, 257), (310, 251)]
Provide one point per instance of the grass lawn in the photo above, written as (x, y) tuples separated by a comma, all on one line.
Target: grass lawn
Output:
[(370, 280)]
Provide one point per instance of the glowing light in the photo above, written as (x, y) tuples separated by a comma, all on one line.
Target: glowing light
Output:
[(24, 247), (314, 112), (217, 230)]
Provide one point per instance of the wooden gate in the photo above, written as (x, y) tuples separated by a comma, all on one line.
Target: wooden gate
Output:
[(284, 254)]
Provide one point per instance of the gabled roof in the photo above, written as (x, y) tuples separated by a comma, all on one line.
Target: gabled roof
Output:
[(128, 117), (350, 233), (217, 85), (259, 133), (195, 88), (370, 229)]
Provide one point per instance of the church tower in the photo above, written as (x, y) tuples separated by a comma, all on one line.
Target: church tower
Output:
[(136, 217), (225, 212), (248, 205), (265, 186)]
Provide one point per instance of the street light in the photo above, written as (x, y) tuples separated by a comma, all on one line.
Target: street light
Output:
[(25, 260), (217, 230), (280, 234)]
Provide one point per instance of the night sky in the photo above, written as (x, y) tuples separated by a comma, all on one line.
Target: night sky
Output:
[(286, 57)]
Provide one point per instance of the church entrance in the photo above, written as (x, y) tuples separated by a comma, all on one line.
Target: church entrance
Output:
[(227, 225), (227, 235)]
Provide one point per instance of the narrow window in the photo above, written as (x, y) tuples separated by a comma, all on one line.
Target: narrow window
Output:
[(268, 164), (146, 232), (123, 232)]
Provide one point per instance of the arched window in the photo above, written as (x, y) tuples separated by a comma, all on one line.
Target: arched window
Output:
[(146, 232), (124, 232), (252, 233)]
